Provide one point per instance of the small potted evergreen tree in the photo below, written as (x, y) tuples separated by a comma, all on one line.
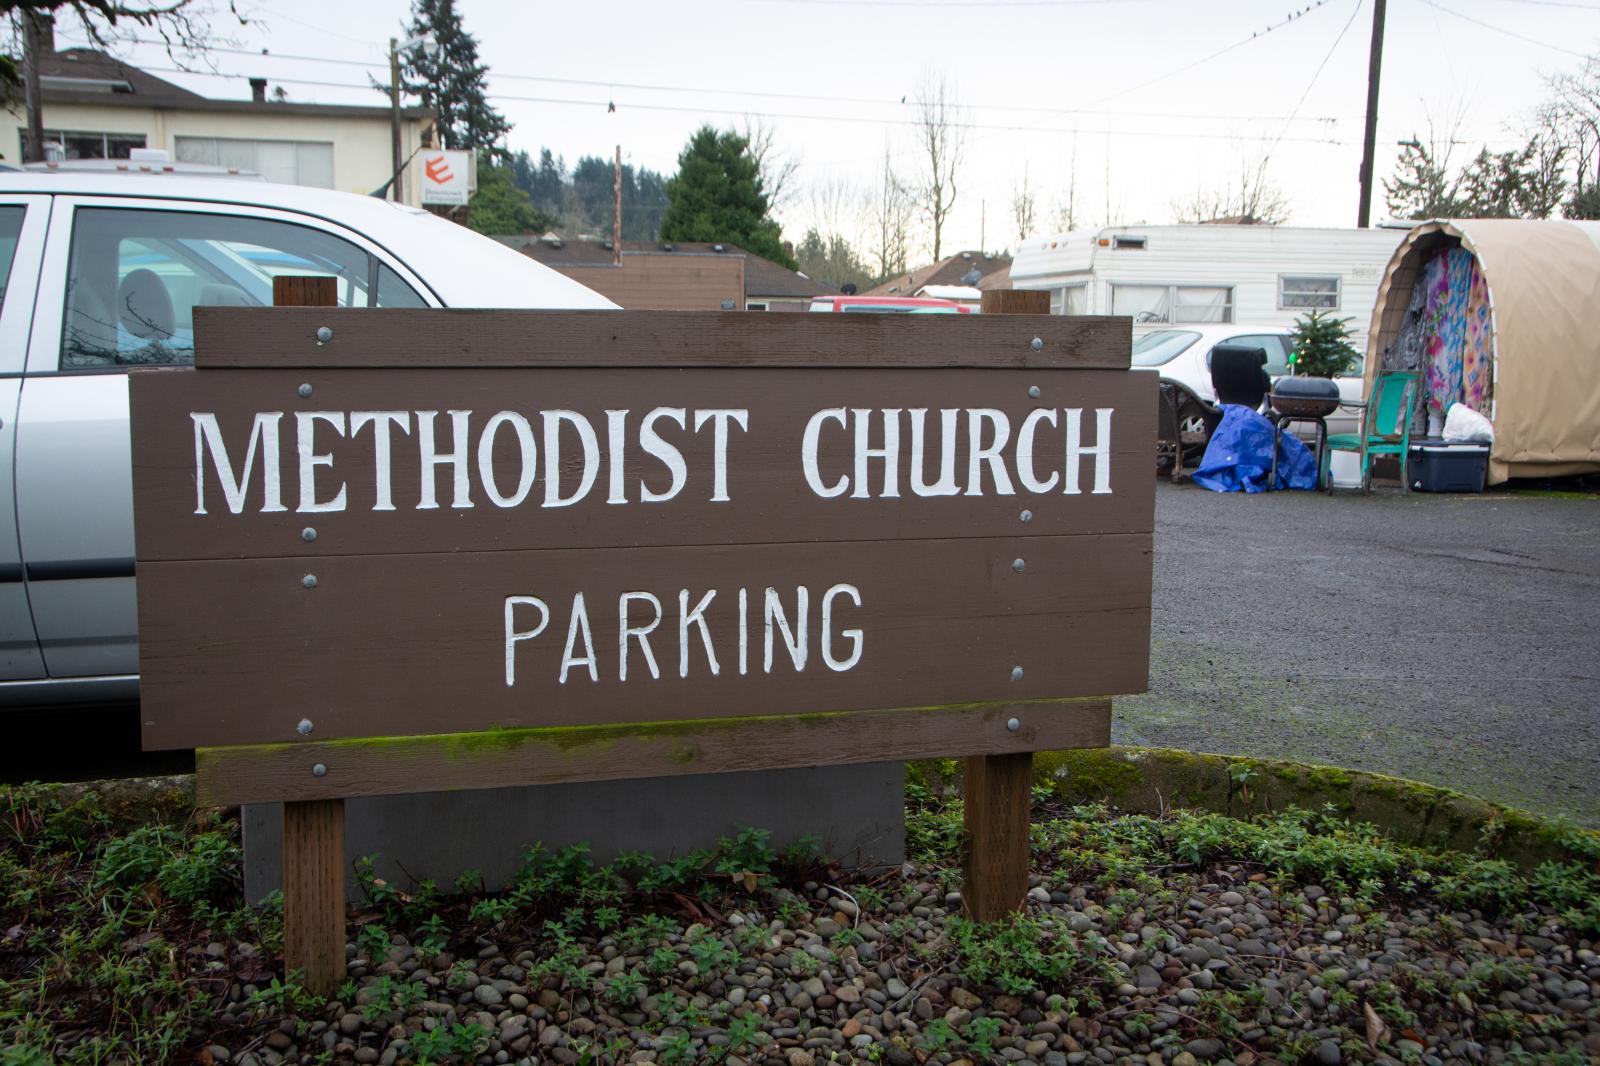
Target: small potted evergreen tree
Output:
[(1321, 349)]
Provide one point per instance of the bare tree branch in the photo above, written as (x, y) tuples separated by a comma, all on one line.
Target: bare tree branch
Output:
[(776, 168), (941, 138)]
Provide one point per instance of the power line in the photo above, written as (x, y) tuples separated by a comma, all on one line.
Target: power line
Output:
[(1557, 3), (1292, 17), (696, 90), (795, 115), (1312, 83), (1506, 32)]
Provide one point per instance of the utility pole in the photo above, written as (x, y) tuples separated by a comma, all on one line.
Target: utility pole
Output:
[(616, 211), (1369, 142), (398, 189), (38, 31)]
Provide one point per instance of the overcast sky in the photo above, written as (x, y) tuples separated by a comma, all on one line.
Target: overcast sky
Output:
[(1134, 90)]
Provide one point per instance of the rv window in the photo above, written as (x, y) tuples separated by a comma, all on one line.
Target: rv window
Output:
[(1127, 242), (1162, 346), (1072, 300), (1300, 292), (1202, 304), (1142, 303)]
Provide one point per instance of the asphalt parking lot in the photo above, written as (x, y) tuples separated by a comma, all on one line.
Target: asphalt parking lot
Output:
[(1450, 639)]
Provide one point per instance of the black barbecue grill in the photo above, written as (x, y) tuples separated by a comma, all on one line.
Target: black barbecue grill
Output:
[(1302, 400)]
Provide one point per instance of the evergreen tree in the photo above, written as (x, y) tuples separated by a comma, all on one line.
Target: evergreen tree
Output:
[(832, 261), (500, 206), (1320, 347), (1584, 204), (451, 80), (717, 196)]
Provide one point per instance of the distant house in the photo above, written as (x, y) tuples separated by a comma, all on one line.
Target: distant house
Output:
[(958, 277), (98, 107), (674, 276)]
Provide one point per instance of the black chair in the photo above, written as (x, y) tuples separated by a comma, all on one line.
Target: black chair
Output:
[(1239, 375)]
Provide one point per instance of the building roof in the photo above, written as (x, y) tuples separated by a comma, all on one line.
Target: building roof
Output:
[(89, 76), (951, 270), (762, 277)]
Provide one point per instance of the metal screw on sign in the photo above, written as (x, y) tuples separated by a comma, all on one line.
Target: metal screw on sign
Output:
[(1037, 345), (308, 534), (1016, 673), (1033, 391), (304, 728), (1018, 565), (1026, 516), (304, 390), (309, 581), (324, 334), (319, 770), (1013, 724)]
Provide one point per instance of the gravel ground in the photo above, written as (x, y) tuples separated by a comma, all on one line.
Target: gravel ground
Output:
[(1232, 969), (1449, 639)]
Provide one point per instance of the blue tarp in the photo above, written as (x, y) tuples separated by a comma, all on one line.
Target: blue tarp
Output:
[(1240, 455)]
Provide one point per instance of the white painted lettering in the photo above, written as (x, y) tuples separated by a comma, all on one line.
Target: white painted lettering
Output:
[(719, 443), (1101, 450), (527, 449), (946, 485), (624, 631), (456, 459), (794, 639), (616, 438), (579, 624), (263, 436), (383, 466), (808, 453), (686, 618), (514, 636), (668, 454), (305, 423), (1027, 473), (552, 457), (981, 453), (744, 632), (889, 453), (854, 636)]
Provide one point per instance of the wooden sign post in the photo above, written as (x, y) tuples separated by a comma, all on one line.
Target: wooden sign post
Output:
[(384, 552)]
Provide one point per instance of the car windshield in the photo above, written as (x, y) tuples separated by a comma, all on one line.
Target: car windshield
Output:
[(1162, 346)]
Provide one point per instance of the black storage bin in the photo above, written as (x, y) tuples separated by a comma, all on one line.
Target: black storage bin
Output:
[(1448, 466)]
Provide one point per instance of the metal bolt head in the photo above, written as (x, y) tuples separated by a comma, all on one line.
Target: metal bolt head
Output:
[(1013, 724), (304, 390), (324, 334), (1016, 673), (1018, 565), (1026, 516), (308, 534), (1033, 392), (309, 581), (304, 728), (319, 770), (1037, 344)]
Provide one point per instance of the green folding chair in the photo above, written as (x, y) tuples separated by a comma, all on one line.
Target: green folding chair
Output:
[(1385, 429)]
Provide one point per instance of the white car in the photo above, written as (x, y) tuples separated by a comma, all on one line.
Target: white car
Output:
[(102, 271), (1183, 354)]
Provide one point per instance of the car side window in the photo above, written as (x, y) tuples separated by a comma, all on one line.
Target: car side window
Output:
[(135, 277), (10, 231), (1277, 351)]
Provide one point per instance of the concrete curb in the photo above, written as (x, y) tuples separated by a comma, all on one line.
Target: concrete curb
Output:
[(1152, 780)]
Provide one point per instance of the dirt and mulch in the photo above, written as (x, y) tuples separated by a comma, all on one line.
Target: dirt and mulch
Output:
[(1182, 938)]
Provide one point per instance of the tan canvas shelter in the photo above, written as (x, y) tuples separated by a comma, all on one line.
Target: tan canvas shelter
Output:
[(1543, 280)]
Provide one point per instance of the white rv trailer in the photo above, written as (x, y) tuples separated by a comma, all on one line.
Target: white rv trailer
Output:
[(1174, 274)]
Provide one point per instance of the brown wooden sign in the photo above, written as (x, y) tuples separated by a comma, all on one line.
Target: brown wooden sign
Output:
[(396, 551), (598, 534)]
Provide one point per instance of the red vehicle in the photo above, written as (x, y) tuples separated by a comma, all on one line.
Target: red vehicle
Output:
[(924, 305)]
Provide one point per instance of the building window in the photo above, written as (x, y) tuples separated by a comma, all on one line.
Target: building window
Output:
[(1299, 292), (755, 307), (289, 162), (81, 144), (1173, 303)]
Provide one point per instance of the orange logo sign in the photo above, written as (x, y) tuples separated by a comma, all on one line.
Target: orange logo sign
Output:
[(438, 169)]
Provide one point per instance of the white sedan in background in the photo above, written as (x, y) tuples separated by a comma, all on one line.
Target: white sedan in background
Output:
[(1182, 354)]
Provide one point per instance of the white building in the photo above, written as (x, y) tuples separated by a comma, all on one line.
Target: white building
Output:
[(1251, 274), (97, 107)]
